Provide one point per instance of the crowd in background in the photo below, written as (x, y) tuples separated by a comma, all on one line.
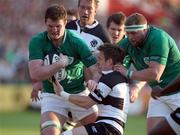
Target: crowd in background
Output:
[(23, 18)]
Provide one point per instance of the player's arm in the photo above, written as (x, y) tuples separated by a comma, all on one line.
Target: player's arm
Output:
[(91, 73), (83, 101), (172, 87), (36, 87), (39, 72), (153, 72)]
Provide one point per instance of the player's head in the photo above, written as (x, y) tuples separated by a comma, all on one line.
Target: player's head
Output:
[(55, 20), (87, 11), (108, 56), (136, 28), (115, 26), (72, 14)]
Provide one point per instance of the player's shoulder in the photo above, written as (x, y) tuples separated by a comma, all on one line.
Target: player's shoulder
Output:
[(74, 39), (40, 36), (71, 25), (113, 78), (72, 35), (99, 31)]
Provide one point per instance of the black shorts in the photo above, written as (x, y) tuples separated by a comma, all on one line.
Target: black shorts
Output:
[(101, 128)]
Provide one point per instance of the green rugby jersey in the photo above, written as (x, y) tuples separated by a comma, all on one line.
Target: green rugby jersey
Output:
[(72, 46), (160, 47)]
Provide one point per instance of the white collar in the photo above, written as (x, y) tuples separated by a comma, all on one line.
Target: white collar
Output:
[(95, 23), (107, 72)]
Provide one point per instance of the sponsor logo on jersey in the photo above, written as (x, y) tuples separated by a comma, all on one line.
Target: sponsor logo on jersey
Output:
[(146, 60)]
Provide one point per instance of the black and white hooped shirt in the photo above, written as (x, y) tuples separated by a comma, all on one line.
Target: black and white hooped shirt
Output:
[(112, 96), (94, 34)]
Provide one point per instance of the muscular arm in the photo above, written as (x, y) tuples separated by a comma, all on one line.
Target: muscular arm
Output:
[(91, 73), (39, 72), (153, 72), (83, 101), (172, 87)]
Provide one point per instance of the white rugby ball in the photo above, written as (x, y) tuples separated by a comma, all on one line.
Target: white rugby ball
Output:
[(51, 58)]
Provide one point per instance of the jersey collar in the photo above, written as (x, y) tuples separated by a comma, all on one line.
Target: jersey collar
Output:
[(107, 72), (95, 23), (65, 33)]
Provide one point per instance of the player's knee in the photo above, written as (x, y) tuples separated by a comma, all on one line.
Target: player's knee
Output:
[(48, 124)]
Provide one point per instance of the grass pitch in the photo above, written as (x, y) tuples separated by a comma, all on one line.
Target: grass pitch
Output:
[(27, 123)]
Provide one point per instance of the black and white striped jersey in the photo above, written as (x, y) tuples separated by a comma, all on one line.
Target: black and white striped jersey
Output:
[(94, 34), (112, 96)]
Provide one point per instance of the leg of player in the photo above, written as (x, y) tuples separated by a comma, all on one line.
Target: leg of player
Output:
[(169, 126), (162, 128), (76, 131), (89, 119), (51, 123)]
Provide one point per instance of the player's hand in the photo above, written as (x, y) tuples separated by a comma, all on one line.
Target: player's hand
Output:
[(134, 92), (120, 68), (35, 91), (92, 85), (57, 87), (156, 92), (64, 60)]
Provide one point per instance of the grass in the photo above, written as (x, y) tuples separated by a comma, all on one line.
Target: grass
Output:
[(19, 123), (27, 123), (136, 125)]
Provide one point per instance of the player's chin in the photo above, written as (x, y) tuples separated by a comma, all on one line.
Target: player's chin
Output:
[(55, 37)]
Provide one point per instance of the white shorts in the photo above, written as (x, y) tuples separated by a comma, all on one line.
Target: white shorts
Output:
[(175, 124), (163, 106), (55, 103)]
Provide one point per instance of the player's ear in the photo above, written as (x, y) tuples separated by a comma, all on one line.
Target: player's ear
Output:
[(65, 22), (110, 61)]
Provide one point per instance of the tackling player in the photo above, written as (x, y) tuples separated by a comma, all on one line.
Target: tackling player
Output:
[(111, 95)]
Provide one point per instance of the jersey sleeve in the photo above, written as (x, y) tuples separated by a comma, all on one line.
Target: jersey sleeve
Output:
[(35, 49), (100, 93), (159, 49)]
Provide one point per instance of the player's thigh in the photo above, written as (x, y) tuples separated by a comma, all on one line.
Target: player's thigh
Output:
[(157, 112), (84, 115), (89, 119), (163, 128), (76, 131), (53, 113), (54, 103)]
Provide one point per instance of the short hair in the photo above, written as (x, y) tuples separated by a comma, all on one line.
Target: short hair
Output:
[(112, 51), (56, 12), (118, 18), (95, 1), (73, 12), (135, 19)]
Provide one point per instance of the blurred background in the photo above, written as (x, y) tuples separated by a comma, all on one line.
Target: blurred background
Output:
[(20, 20)]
